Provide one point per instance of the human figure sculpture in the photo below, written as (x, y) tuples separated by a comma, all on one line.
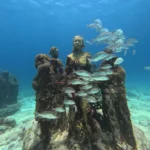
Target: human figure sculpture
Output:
[(57, 64), (78, 59), (48, 96), (87, 131), (83, 127)]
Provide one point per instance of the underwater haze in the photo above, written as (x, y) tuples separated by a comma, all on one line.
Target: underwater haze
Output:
[(30, 27)]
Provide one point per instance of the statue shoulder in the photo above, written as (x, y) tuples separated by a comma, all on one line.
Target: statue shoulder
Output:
[(87, 54), (60, 61), (70, 55)]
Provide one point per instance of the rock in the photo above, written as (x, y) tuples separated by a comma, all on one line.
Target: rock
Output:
[(8, 89)]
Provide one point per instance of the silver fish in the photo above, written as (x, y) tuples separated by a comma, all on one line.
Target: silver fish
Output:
[(82, 73), (81, 93), (100, 78), (109, 72), (90, 99), (59, 109), (106, 66), (118, 61), (77, 82), (46, 115), (99, 73), (69, 102), (147, 68), (99, 56), (110, 56), (93, 90), (68, 90), (86, 87)]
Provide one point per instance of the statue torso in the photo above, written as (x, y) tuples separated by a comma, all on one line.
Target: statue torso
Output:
[(81, 58)]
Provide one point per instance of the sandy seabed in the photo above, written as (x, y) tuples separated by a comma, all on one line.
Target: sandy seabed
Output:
[(138, 102)]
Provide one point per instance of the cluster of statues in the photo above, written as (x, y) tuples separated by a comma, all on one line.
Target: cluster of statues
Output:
[(87, 129)]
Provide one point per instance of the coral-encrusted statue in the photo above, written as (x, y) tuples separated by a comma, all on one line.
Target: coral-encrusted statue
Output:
[(57, 64), (78, 59), (48, 84), (101, 125), (84, 131), (116, 114)]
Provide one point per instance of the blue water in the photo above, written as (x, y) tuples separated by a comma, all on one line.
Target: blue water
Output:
[(30, 27)]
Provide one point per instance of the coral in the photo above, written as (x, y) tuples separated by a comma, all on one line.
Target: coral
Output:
[(115, 110), (103, 125), (49, 95)]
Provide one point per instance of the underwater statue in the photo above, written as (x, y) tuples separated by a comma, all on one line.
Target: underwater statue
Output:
[(84, 130), (48, 84), (78, 59), (57, 64), (91, 107), (116, 114)]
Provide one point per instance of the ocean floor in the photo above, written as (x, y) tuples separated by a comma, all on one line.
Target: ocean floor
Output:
[(138, 102)]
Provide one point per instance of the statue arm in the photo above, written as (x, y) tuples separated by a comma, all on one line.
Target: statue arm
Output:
[(89, 65), (68, 67)]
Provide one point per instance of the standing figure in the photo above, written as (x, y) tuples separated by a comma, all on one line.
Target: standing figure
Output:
[(57, 64), (84, 130), (78, 59), (49, 98)]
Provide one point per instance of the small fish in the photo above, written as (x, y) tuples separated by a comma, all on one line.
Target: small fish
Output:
[(77, 82), (81, 93), (106, 66), (93, 90), (132, 40), (100, 78), (102, 37), (119, 42), (46, 115), (86, 87), (69, 102), (98, 21), (133, 52), (104, 30), (82, 73), (125, 52), (118, 32), (99, 111), (110, 56), (90, 99), (147, 68), (99, 56), (85, 78), (59, 109), (68, 90), (99, 73), (109, 72), (118, 61), (89, 42)]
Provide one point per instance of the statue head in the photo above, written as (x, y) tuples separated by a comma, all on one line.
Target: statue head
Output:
[(41, 59), (78, 43), (54, 52)]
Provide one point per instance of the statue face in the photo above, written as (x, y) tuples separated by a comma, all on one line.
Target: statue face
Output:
[(78, 42), (55, 53)]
